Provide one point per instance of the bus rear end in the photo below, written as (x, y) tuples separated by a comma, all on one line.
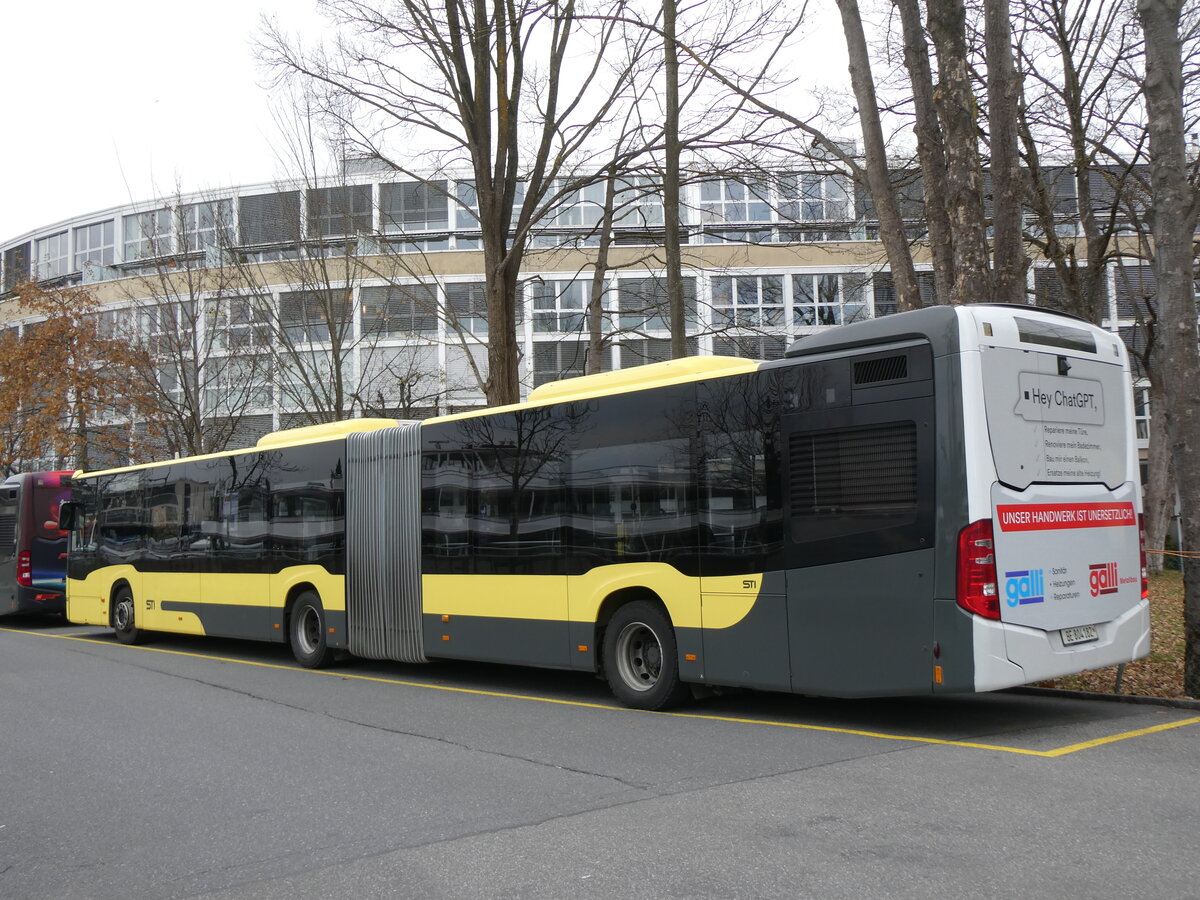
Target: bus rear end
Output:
[(1051, 566), (33, 551)]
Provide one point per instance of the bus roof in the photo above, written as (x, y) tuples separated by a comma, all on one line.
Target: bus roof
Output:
[(675, 371)]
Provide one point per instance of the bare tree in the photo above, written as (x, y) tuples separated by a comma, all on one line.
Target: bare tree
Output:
[(496, 86), (1008, 180), (1174, 226)]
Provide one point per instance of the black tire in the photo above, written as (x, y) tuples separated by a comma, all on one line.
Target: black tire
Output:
[(123, 618), (307, 632), (641, 661)]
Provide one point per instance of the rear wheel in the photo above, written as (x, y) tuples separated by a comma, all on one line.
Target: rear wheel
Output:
[(307, 632), (641, 662), (123, 618)]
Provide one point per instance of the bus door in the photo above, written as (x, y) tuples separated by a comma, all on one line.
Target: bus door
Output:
[(858, 500), (170, 588)]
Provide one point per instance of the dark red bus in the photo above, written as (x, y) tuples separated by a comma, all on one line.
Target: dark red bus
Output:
[(33, 551)]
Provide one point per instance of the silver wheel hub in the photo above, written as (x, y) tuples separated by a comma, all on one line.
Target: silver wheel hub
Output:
[(639, 656)]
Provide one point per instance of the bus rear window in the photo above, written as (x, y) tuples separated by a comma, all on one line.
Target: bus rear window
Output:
[(1054, 334)]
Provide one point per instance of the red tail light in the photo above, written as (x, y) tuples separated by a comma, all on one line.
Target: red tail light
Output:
[(977, 590), (24, 569), (1142, 545)]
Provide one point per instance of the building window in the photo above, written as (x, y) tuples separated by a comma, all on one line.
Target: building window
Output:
[(205, 225), (466, 302), (239, 324), (638, 204), (399, 310), (315, 316), (415, 206), (829, 299), (147, 235), (466, 214), (555, 360), (763, 346), (342, 211), (52, 256), (16, 265), (94, 245), (652, 350), (748, 301), (559, 305), (644, 305), (814, 197), (270, 218)]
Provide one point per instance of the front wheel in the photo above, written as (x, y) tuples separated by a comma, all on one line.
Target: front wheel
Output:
[(123, 618), (307, 632), (641, 662)]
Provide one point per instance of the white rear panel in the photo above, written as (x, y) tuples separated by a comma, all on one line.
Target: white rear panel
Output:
[(1061, 488)]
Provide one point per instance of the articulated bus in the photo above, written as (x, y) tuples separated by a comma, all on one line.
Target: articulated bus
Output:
[(944, 500), (33, 550)]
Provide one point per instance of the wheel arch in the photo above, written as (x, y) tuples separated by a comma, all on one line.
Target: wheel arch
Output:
[(293, 593), (613, 602)]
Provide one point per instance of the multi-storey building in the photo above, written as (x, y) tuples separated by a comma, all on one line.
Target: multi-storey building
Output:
[(275, 286)]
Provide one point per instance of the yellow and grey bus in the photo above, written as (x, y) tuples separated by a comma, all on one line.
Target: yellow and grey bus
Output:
[(943, 500)]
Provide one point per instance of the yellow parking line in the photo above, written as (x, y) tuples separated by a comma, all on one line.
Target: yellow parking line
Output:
[(877, 735)]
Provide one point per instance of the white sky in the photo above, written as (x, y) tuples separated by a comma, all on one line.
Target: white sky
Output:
[(108, 103)]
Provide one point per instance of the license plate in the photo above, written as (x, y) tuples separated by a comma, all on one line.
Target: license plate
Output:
[(1080, 634)]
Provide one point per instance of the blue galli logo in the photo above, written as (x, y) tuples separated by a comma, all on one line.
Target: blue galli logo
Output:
[(1024, 587)]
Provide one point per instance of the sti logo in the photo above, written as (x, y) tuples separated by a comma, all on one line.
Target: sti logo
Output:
[(1102, 578), (1023, 587)]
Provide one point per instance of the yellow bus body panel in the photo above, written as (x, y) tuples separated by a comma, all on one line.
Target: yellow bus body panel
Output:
[(577, 598)]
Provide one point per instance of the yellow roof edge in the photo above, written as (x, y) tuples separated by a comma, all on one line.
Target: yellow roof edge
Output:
[(306, 434), (323, 431), (673, 371)]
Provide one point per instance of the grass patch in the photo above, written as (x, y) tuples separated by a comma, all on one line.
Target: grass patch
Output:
[(1161, 673)]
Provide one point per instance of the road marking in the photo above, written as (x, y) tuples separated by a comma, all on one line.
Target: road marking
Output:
[(877, 735)]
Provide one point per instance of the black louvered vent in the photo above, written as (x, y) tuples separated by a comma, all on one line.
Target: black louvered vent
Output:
[(887, 368), (855, 471), (8, 534)]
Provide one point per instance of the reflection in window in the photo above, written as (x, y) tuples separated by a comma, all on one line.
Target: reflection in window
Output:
[(94, 245), (52, 256), (558, 305), (467, 304), (147, 234), (828, 299), (748, 301), (399, 310)]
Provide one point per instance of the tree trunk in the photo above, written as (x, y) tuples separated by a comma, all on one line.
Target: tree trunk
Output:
[(964, 172), (1003, 87), (672, 241), (891, 225), (1160, 484), (1173, 223), (595, 309), (930, 149)]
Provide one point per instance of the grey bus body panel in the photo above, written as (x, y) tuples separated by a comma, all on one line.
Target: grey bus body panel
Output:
[(754, 652), (383, 544)]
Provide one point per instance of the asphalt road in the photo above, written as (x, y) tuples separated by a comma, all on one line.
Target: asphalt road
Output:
[(205, 768)]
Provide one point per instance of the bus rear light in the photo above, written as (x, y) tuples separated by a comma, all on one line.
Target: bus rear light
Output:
[(1142, 547), (24, 569), (977, 591)]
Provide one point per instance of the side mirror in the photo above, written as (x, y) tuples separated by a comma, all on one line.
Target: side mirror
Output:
[(70, 515)]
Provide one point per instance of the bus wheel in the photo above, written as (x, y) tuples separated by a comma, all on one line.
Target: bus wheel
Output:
[(306, 630), (122, 618), (640, 658)]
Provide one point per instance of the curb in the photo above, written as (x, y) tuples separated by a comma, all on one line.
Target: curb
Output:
[(1172, 702)]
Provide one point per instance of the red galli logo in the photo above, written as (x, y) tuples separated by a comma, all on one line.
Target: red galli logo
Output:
[(1102, 577)]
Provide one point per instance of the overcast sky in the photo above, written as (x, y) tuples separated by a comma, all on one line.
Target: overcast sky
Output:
[(121, 101)]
